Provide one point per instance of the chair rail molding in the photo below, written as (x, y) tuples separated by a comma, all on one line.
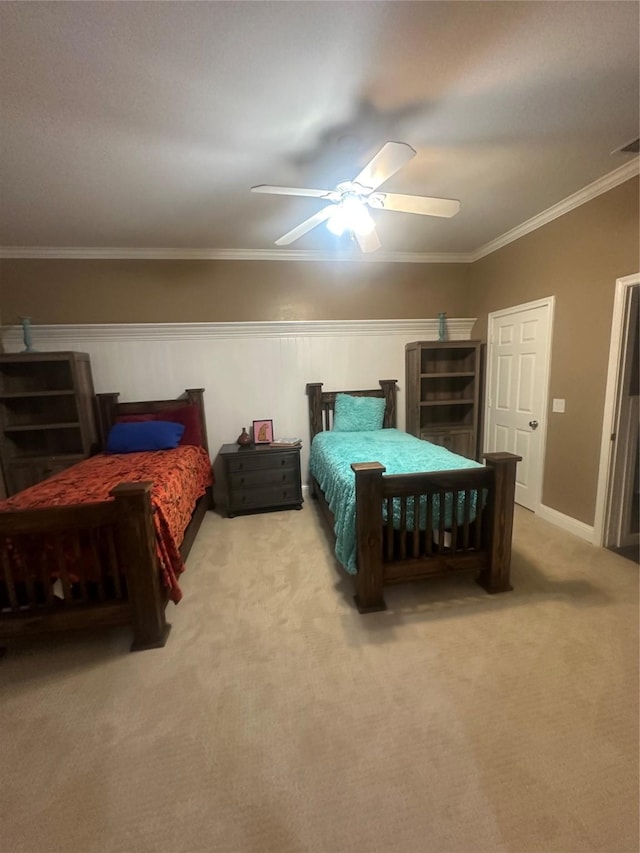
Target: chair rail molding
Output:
[(74, 335)]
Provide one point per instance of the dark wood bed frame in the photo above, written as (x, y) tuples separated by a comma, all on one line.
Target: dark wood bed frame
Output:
[(135, 593), (388, 554)]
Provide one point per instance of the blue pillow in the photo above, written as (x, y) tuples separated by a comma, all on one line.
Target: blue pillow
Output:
[(357, 414), (144, 435)]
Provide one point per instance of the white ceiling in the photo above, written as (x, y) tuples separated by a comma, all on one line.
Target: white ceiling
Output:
[(143, 125)]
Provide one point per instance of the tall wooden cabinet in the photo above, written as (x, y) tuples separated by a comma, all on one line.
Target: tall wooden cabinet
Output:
[(442, 393), (47, 415)]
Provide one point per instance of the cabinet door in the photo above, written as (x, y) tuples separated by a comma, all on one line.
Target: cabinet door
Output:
[(457, 441), (21, 475)]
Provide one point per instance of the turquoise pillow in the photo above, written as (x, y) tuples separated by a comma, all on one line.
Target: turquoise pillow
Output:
[(144, 435), (358, 414)]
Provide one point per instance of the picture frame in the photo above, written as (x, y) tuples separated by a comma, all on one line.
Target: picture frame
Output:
[(262, 432)]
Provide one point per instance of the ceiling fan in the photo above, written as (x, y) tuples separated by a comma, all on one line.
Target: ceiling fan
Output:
[(350, 200)]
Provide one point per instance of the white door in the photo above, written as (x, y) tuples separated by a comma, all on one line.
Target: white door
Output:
[(610, 497), (517, 382), (623, 489)]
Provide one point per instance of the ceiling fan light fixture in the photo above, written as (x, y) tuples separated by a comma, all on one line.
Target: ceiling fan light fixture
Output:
[(337, 222), (350, 215), (361, 221)]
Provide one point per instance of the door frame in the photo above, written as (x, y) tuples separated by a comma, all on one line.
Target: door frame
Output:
[(610, 413), (547, 302)]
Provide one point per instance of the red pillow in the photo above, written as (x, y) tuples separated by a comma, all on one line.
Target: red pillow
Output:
[(134, 419), (187, 415)]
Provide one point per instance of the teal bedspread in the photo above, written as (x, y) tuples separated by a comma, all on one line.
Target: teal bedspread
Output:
[(330, 464)]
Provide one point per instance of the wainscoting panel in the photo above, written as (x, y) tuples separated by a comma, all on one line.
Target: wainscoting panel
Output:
[(249, 371)]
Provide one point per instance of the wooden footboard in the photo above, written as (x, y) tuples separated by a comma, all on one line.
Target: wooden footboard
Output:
[(478, 539), (121, 586), (388, 552)]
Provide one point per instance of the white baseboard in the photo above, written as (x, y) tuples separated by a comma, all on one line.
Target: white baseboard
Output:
[(571, 525)]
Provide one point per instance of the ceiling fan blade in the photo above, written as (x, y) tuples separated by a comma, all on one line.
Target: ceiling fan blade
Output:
[(389, 159), (425, 205), (307, 225), (368, 242), (265, 188)]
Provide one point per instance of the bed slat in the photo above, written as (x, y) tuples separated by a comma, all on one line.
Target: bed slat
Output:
[(114, 571), (479, 525), (61, 566), (46, 579), (441, 519), (428, 537), (454, 521), (389, 531), (8, 579), (82, 580), (415, 543), (30, 587), (466, 522), (96, 559), (403, 528)]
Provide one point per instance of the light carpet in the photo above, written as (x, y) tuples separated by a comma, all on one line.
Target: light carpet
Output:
[(279, 720)]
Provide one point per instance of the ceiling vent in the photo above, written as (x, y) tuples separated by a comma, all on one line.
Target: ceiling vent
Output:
[(632, 147)]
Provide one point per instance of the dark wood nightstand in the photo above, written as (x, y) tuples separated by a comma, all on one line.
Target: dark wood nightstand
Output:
[(261, 478)]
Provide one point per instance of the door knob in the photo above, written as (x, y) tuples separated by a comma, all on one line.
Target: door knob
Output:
[(533, 424)]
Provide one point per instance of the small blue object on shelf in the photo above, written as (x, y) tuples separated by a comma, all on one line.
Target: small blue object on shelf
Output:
[(442, 326), (26, 334)]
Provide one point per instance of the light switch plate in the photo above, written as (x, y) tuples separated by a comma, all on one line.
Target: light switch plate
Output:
[(557, 405)]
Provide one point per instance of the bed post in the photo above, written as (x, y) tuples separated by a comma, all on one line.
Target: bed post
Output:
[(389, 389), (495, 578), (369, 579), (195, 396), (106, 405), (137, 540), (314, 393)]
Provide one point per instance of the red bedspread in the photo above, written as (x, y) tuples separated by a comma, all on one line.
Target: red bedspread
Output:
[(179, 477)]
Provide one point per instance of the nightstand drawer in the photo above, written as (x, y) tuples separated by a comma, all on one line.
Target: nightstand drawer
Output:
[(243, 480), (266, 460), (267, 497)]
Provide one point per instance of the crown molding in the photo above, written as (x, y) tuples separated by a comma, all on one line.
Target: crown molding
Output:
[(75, 336), (602, 185), (112, 254)]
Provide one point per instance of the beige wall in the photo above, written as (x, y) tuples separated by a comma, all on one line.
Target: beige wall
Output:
[(577, 259), (81, 291)]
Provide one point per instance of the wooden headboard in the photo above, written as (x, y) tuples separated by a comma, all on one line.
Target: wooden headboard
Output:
[(108, 409), (322, 404)]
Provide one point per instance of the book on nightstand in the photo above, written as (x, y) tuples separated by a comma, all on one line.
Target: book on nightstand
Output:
[(285, 442)]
